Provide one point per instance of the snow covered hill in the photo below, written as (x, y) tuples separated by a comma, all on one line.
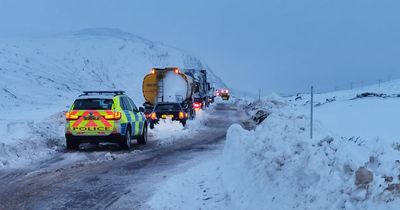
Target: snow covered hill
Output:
[(40, 76), (55, 69)]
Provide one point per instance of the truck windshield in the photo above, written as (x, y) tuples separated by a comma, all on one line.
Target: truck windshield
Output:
[(93, 104), (167, 107)]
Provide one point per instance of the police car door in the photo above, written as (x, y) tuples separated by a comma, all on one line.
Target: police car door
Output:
[(128, 113), (139, 118)]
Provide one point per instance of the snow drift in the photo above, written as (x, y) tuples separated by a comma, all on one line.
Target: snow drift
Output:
[(277, 166)]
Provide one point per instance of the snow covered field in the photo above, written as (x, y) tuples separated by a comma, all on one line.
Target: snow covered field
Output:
[(353, 161), (40, 77)]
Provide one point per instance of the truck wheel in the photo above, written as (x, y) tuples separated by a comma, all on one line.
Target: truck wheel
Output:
[(151, 125), (192, 114), (72, 145), (126, 141), (183, 123), (143, 138)]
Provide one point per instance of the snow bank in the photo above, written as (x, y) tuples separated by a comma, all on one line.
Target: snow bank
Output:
[(168, 132), (353, 161), (24, 142), (277, 166)]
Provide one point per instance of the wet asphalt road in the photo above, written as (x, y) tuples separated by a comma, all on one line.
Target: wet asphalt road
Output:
[(125, 181)]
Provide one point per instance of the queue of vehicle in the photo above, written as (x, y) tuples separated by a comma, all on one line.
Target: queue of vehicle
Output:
[(113, 117)]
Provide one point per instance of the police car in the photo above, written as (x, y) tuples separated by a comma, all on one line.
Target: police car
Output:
[(105, 116)]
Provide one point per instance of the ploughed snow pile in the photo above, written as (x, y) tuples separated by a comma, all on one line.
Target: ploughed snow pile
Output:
[(39, 77), (168, 132), (353, 161), (22, 141), (277, 166)]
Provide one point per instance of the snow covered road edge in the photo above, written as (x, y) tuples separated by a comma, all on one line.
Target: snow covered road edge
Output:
[(277, 166)]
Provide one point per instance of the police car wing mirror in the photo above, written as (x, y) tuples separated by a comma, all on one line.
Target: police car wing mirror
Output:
[(141, 109)]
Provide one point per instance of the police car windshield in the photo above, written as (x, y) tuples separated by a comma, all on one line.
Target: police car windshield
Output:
[(167, 107), (93, 104)]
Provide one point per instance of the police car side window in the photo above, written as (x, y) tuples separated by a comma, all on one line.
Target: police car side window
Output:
[(127, 104), (123, 103), (135, 109)]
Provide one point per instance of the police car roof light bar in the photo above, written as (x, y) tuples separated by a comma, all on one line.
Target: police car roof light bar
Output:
[(116, 92)]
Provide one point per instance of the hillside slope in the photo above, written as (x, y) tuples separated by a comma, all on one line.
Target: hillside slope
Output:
[(53, 69)]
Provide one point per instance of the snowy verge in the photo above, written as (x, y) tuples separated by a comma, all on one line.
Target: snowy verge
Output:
[(24, 142), (277, 166)]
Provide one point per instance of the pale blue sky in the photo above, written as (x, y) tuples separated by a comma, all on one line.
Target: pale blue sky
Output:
[(276, 45)]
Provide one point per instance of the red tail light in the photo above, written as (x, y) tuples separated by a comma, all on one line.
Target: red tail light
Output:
[(181, 115), (153, 116), (197, 105), (114, 116), (71, 116)]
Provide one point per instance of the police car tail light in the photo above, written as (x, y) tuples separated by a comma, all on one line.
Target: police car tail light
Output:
[(70, 116), (114, 116), (117, 115), (181, 115)]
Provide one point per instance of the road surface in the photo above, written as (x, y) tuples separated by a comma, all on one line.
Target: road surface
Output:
[(125, 180)]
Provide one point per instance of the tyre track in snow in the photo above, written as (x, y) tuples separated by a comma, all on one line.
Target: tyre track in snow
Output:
[(124, 183)]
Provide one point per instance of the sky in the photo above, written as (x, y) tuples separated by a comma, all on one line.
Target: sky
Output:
[(284, 46)]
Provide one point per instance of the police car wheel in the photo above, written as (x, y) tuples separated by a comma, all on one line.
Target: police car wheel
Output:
[(126, 141), (143, 138)]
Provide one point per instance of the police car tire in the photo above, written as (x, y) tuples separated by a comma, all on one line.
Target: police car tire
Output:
[(143, 138), (126, 140), (71, 145)]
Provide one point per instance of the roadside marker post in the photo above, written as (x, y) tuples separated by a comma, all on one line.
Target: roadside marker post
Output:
[(312, 112)]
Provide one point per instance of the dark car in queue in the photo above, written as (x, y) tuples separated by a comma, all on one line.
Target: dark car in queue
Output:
[(168, 111)]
